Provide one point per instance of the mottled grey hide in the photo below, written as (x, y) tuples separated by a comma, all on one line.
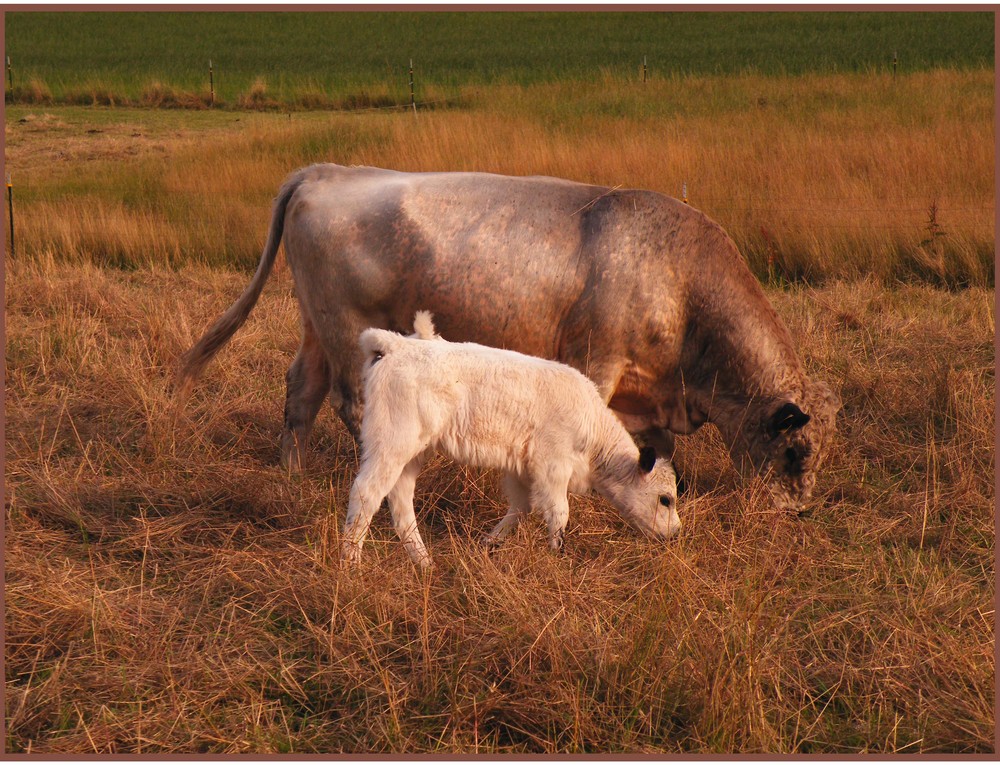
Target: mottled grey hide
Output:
[(640, 292)]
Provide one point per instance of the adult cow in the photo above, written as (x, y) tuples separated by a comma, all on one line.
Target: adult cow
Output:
[(643, 294)]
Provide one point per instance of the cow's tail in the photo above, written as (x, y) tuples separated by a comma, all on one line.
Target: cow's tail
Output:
[(195, 360)]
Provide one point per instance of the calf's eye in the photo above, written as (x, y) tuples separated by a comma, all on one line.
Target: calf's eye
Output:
[(665, 501)]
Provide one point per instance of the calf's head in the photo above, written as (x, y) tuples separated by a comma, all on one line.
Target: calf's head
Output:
[(792, 442), (647, 496)]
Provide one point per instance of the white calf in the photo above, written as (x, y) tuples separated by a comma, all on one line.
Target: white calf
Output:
[(541, 422)]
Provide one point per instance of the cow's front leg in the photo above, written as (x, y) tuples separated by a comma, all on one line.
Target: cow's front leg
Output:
[(660, 439), (664, 441)]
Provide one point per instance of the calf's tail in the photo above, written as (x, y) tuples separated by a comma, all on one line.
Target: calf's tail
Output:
[(376, 343), (423, 325), (195, 360)]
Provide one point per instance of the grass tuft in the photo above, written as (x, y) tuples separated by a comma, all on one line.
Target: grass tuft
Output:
[(158, 95), (35, 92), (256, 97)]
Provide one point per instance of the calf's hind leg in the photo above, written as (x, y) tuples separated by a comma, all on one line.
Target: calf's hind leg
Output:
[(308, 382), (375, 480), (392, 468), (403, 517)]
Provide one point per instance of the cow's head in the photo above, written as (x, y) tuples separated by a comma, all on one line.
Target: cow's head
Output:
[(787, 441), (792, 442)]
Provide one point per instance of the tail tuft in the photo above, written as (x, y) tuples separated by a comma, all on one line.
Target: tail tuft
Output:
[(423, 325)]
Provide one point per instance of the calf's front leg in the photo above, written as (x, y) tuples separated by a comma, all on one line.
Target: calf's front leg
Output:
[(517, 495), (548, 496)]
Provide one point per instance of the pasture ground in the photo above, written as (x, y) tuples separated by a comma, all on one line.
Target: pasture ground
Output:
[(168, 588)]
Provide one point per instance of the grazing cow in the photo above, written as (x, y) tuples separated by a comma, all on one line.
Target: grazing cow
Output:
[(643, 294), (543, 423)]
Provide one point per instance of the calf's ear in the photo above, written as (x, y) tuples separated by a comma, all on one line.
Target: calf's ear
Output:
[(647, 458), (788, 417)]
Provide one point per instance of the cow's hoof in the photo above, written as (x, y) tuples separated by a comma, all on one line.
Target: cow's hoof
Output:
[(557, 543)]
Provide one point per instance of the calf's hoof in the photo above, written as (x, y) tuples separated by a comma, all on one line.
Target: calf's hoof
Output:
[(557, 542), (423, 564), (350, 553)]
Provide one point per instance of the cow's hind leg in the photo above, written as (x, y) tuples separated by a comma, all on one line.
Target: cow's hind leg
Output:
[(308, 381), (345, 376), (345, 396)]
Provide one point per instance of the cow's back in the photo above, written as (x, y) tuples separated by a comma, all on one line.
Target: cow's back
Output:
[(608, 281), (498, 260)]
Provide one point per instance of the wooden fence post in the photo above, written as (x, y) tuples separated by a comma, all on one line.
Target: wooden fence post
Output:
[(413, 102), (10, 211), (211, 81)]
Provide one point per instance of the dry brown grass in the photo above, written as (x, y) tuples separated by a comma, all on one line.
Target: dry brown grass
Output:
[(819, 177), (160, 96), (35, 92), (256, 97), (170, 589)]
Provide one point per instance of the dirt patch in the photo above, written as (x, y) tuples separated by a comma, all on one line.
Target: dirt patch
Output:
[(47, 139), (39, 140)]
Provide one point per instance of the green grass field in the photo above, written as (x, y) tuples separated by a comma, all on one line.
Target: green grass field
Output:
[(343, 52)]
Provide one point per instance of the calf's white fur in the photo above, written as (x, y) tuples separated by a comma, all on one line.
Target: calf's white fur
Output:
[(541, 422)]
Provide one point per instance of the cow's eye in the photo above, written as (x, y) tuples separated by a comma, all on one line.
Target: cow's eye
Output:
[(666, 501)]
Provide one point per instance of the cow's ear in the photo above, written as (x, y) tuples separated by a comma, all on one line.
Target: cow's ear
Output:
[(647, 458), (788, 417)]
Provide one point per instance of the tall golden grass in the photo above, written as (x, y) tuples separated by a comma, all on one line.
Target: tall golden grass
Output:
[(170, 589), (815, 177)]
